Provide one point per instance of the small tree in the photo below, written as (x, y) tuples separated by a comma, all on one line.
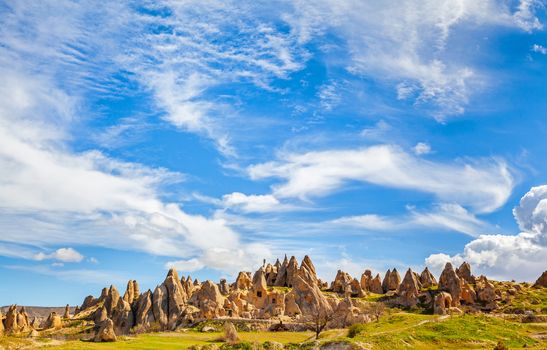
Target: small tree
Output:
[(319, 320), (376, 310)]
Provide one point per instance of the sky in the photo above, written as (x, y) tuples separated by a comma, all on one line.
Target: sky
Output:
[(208, 135)]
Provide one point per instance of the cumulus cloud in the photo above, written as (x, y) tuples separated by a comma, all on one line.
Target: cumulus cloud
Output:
[(61, 254), (520, 256), (539, 49), (421, 148), (483, 185)]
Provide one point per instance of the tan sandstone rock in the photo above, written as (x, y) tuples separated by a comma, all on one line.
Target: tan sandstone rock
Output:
[(542, 280), (427, 279), (442, 303), (106, 332), (243, 281), (208, 300), (464, 272), (408, 290), (375, 285), (450, 282), (54, 321)]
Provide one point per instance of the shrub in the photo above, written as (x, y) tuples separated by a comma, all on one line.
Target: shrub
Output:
[(501, 346), (355, 329)]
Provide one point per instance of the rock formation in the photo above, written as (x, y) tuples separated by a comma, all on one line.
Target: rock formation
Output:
[(131, 292), (375, 285), (542, 280), (464, 272), (182, 302), (391, 281), (243, 281), (208, 300), (176, 297), (450, 282), (54, 321), (67, 311), (111, 300), (106, 332), (16, 321), (144, 315), (442, 303), (427, 279), (366, 279), (123, 318), (408, 290), (224, 287)]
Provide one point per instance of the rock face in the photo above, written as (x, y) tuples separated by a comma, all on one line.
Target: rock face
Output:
[(442, 303), (375, 285), (100, 315), (131, 292), (89, 301), (54, 321), (408, 290), (243, 281), (542, 280), (487, 293), (224, 287), (366, 278), (160, 305), (464, 273), (341, 282), (144, 315), (123, 317), (427, 279), (450, 282), (208, 300), (106, 332), (67, 311), (111, 300), (16, 321), (392, 279), (307, 295), (176, 297)]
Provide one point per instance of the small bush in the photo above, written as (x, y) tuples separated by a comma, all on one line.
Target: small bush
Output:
[(355, 329), (501, 346)]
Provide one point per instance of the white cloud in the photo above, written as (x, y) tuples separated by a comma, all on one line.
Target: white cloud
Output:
[(520, 256), (421, 148), (539, 49), (61, 254), (251, 203), (53, 196), (98, 277), (483, 185), (329, 96), (403, 42), (189, 265), (444, 216), (367, 221)]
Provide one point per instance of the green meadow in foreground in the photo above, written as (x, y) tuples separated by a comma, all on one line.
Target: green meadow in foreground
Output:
[(397, 330)]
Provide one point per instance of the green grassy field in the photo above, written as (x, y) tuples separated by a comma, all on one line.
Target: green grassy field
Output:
[(394, 331)]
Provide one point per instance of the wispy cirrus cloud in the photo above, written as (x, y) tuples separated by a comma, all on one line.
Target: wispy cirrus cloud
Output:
[(404, 43), (445, 216), (483, 185)]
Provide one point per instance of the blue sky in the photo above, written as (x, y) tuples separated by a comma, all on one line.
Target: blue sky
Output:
[(208, 135)]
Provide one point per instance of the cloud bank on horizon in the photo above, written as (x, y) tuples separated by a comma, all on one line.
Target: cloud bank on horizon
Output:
[(208, 135)]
